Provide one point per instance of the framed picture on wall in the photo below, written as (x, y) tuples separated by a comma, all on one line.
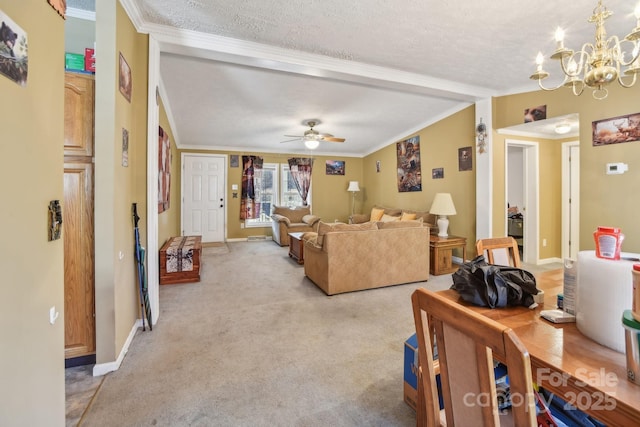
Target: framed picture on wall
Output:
[(334, 167), (465, 159), (616, 130), (125, 147), (13, 51), (234, 161), (125, 78), (437, 173)]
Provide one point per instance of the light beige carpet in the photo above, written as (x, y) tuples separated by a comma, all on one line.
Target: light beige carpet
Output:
[(255, 343)]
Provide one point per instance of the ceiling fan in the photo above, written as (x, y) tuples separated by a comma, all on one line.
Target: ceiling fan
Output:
[(312, 137)]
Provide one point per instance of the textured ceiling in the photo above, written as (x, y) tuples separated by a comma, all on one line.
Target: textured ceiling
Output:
[(367, 69)]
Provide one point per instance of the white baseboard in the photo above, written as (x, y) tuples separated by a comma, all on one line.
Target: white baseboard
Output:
[(246, 239), (100, 369), (549, 261)]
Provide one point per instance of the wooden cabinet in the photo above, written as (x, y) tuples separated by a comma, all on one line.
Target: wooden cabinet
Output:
[(77, 220), (79, 321), (78, 114), (441, 253)]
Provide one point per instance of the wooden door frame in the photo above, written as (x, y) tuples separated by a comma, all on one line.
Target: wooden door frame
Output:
[(531, 179), (567, 218)]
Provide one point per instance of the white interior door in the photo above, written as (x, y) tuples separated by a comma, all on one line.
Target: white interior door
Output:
[(570, 199), (203, 196)]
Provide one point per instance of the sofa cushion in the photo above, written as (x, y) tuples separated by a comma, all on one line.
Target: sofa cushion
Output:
[(376, 214), (324, 228), (406, 216), (400, 224), (389, 218), (428, 218)]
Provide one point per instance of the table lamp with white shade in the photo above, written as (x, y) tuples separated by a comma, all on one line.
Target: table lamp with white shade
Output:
[(353, 188), (442, 206)]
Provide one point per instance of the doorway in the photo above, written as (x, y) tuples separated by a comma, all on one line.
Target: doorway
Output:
[(570, 199), (203, 196), (521, 196)]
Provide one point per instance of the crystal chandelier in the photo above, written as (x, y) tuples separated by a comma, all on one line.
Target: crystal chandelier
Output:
[(596, 65)]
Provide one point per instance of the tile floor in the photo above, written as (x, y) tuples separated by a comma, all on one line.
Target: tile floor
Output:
[(80, 388)]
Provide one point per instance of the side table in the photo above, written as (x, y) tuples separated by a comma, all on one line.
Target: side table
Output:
[(441, 253), (296, 247)]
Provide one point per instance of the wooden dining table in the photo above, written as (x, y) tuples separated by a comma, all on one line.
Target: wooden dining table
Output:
[(565, 362)]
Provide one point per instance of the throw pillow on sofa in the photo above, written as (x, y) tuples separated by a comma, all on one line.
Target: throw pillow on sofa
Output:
[(406, 216), (376, 214)]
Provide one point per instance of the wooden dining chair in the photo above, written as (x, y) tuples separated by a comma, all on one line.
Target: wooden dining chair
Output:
[(499, 250), (467, 344)]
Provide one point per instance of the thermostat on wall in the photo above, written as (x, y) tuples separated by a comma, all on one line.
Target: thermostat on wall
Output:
[(616, 168)]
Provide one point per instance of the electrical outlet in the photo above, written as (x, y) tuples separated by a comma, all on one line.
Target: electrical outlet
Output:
[(544, 243), (242, 225)]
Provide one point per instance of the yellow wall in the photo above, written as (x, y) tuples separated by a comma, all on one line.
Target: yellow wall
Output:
[(329, 197), (116, 186), (549, 191), (31, 174), (439, 144), (169, 220), (604, 199)]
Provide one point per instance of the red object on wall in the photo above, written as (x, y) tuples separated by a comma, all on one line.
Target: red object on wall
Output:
[(90, 60)]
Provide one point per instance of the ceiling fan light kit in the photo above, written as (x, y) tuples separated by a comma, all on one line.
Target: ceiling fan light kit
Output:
[(312, 137), (596, 65)]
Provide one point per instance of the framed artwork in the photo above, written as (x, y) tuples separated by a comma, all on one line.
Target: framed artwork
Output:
[(409, 169), (234, 160), (616, 130), (534, 114), (377, 166), (125, 78), (437, 173), (164, 170), (335, 167), (60, 6), (125, 147), (465, 159), (14, 61)]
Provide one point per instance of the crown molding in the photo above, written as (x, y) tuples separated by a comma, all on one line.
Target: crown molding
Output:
[(446, 113), (135, 15), (168, 111)]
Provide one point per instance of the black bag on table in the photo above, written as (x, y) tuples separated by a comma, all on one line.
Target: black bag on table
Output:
[(490, 285)]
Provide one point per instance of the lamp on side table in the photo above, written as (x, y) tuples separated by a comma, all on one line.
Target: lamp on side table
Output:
[(443, 206)]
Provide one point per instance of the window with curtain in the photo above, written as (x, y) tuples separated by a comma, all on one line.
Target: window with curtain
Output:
[(275, 187)]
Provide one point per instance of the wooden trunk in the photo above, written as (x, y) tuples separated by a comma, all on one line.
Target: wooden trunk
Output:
[(167, 275)]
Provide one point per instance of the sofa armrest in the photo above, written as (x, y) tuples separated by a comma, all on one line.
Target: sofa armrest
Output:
[(310, 238), (310, 220), (358, 218), (280, 218)]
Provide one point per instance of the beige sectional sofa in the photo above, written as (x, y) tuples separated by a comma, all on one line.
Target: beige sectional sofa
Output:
[(350, 257)]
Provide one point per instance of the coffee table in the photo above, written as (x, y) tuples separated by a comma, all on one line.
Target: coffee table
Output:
[(296, 247)]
